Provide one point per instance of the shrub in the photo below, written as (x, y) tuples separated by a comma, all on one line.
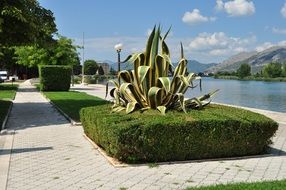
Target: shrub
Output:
[(90, 67), (215, 131), (55, 77)]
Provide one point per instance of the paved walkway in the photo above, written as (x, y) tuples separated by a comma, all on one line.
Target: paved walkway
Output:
[(48, 153)]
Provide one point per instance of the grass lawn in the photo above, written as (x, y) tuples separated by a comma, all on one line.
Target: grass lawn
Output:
[(7, 91), (268, 185), (7, 94), (71, 102)]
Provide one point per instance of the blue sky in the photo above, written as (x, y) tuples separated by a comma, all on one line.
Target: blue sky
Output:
[(211, 30)]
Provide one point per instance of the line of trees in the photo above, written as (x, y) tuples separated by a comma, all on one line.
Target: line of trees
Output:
[(271, 70)]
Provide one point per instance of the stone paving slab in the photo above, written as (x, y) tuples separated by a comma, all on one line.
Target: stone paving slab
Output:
[(48, 153)]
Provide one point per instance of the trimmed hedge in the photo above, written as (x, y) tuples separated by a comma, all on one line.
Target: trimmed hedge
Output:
[(4, 108), (216, 131), (55, 77)]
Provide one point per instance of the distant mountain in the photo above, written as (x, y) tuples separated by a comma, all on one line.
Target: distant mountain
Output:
[(197, 67), (255, 59), (224, 66), (193, 65)]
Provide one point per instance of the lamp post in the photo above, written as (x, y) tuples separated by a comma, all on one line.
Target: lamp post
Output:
[(82, 69), (118, 48)]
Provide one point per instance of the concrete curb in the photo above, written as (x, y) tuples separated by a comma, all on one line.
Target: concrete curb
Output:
[(113, 161), (74, 123), (6, 156), (6, 117)]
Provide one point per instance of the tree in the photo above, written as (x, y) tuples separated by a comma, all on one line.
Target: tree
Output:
[(244, 70), (25, 22), (100, 70), (90, 67), (112, 71), (31, 56), (63, 52), (284, 70), (272, 70)]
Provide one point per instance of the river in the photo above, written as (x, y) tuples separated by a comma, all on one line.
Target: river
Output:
[(255, 94)]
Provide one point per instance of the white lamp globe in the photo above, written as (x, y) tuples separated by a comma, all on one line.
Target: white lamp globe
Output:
[(118, 47)]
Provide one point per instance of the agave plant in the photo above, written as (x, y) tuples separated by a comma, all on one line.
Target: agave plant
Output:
[(152, 84)]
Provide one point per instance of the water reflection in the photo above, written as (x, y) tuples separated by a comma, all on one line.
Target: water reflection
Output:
[(256, 94)]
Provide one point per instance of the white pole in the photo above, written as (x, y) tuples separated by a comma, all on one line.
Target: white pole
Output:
[(82, 80)]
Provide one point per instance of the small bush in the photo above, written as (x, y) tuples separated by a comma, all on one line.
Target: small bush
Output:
[(216, 131), (55, 77)]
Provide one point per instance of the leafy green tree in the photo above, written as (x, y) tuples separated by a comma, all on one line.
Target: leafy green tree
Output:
[(284, 70), (244, 70), (31, 56), (272, 70), (100, 70), (25, 22), (63, 52), (90, 67)]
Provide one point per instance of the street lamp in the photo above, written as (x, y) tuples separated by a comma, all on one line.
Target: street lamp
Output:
[(118, 48)]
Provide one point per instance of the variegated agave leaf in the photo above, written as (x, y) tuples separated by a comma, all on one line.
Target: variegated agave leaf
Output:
[(155, 83)]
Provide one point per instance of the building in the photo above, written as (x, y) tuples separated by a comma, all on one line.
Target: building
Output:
[(105, 67)]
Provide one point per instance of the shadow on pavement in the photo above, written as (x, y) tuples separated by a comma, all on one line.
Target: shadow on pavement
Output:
[(23, 150)]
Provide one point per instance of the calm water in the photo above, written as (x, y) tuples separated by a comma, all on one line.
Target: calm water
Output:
[(255, 94)]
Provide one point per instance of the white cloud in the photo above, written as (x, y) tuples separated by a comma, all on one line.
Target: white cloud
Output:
[(219, 5), (267, 45), (278, 30), (236, 8), (283, 10), (218, 46), (264, 46), (195, 17)]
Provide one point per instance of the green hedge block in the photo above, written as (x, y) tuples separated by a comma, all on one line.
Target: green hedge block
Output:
[(214, 132), (55, 77)]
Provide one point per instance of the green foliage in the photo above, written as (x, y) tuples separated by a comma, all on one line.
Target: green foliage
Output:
[(72, 102), (31, 56), (272, 70), (100, 70), (7, 94), (148, 85), (7, 91), (265, 185), (4, 107), (215, 131), (244, 70), (90, 67), (63, 52), (54, 77), (25, 22), (112, 71), (284, 70)]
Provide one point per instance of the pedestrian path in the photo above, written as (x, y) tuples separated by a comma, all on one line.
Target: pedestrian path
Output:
[(48, 153)]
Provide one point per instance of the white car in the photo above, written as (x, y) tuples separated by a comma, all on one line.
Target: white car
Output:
[(3, 76)]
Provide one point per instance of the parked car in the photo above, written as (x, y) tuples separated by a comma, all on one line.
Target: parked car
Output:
[(3, 76)]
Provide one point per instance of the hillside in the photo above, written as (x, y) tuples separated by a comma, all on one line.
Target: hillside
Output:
[(193, 66), (196, 67), (255, 59)]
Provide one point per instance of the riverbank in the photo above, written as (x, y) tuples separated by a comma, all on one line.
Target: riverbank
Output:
[(252, 78)]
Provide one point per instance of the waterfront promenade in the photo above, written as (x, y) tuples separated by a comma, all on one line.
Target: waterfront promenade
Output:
[(41, 150)]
